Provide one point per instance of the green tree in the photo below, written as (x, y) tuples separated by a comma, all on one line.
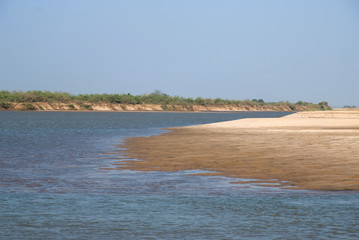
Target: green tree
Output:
[(324, 105)]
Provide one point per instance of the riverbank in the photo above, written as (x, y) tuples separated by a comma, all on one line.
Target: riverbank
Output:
[(309, 150), (156, 101), (113, 107)]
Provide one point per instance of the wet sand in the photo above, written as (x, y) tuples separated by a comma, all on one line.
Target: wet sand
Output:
[(306, 150)]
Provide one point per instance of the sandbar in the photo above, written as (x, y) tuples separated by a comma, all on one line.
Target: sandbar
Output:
[(305, 150)]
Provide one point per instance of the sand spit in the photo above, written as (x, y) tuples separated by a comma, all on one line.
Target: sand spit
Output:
[(307, 150)]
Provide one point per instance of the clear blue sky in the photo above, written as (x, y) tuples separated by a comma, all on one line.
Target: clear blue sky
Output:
[(275, 50)]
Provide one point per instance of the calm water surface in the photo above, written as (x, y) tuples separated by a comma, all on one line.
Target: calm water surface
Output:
[(52, 186)]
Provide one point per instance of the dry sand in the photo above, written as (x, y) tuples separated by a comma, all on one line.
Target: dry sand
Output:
[(306, 150)]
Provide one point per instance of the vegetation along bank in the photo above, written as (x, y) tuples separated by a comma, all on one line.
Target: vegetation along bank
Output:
[(156, 101)]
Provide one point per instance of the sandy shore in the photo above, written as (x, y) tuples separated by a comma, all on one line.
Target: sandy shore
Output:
[(306, 150)]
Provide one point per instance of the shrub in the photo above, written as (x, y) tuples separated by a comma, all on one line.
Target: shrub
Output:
[(261, 101), (199, 101), (292, 107), (324, 106), (5, 105), (165, 108), (87, 107), (30, 107)]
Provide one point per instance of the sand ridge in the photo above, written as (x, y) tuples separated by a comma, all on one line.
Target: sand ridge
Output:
[(315, 151)]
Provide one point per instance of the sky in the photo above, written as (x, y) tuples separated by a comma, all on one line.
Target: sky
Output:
[(278, 50)]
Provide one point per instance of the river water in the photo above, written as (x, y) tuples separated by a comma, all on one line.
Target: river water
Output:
[(53, 186)]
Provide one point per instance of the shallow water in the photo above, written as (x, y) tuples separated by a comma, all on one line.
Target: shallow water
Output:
[(52, 186)]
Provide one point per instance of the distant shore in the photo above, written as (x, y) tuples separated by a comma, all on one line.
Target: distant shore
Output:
[(113, 107), (306, 150), (106, 107), (156, 101)]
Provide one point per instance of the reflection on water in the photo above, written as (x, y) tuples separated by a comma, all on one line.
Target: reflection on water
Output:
[(53, 186)]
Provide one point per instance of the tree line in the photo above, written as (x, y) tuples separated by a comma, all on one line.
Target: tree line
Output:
[(156, 97)]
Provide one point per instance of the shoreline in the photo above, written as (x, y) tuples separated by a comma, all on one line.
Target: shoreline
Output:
[(119, 107), (143, 111), (308, 114), (305, 150)]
